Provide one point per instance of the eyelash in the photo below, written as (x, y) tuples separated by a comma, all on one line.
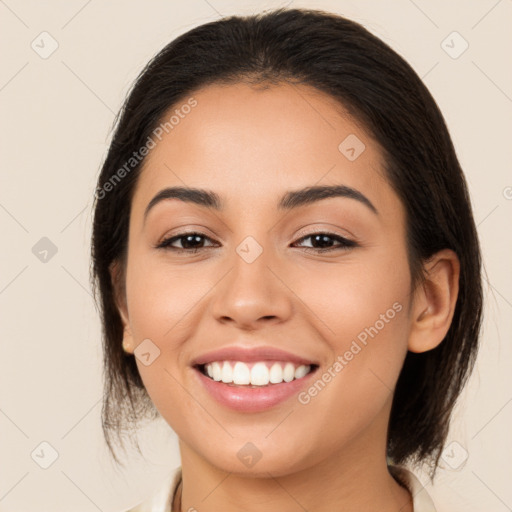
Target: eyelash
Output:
[(345, 243)]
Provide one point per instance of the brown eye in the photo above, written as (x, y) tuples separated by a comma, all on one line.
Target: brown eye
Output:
[(322, 242), (190, 242)]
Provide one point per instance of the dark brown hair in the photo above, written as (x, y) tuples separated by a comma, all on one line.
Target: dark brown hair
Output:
[(381, 91)]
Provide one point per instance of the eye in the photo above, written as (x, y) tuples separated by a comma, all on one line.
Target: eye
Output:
[(193, 242), (324, 240), (190, 242)]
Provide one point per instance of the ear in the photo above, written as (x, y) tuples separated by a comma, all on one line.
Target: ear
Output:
[(434, 301), (117, 278)]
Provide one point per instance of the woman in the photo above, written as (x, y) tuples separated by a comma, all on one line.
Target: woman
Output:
[(288, 268)]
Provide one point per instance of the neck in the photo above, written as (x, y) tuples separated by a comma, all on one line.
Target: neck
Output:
[(354, 479)]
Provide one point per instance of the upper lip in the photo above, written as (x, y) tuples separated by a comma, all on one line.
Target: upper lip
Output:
[(261, 353)]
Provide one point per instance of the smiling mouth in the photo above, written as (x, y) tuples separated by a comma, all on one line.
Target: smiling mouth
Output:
[(256, 374)]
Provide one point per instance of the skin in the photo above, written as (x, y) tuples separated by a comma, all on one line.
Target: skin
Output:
[(250, 145)]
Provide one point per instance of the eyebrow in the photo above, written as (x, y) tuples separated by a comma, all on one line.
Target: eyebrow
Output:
[(290, 200)]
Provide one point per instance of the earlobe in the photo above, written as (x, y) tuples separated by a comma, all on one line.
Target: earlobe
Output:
[(127, 341), (434, 302)]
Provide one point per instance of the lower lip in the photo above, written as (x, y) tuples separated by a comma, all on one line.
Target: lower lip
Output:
[(252, 399)]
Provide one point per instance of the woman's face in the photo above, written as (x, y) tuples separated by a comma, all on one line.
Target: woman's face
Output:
[(258, 280)]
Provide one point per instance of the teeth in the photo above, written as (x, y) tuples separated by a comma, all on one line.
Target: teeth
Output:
[(276, 373), (227, 372), (260, 374), (217, 372), (301, 371), (241, 373), (289, 372)]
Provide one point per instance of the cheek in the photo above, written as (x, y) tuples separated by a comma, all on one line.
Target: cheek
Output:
[(160, 296), (345, 298), (361, 309), (163, 304)]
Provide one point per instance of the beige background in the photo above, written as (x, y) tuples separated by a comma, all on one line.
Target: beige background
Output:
[(56, 117)]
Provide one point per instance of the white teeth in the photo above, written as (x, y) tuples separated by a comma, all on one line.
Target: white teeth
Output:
[(301, 371), (259, 375), (276, 373), (217, 372), (227, 372), (289, 372), (241, 373)]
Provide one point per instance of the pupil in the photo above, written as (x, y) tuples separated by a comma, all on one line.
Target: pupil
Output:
[(191, 238), (323, 239)]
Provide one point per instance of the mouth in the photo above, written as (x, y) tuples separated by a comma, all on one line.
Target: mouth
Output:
[(255, 374), (251, 387)]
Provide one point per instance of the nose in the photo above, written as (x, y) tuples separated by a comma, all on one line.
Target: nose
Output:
[(252, 294)]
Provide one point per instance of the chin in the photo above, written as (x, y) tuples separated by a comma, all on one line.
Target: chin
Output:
[(257, 459)]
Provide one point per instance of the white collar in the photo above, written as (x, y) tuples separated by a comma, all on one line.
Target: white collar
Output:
[(421, 500)]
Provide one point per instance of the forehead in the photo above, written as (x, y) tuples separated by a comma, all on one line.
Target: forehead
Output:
[(253, 143)]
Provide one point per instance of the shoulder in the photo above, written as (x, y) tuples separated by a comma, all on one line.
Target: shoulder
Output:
[(160, 500), (422, 502)]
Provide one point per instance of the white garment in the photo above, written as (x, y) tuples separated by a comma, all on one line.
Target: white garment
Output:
[(162, 499)]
